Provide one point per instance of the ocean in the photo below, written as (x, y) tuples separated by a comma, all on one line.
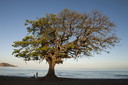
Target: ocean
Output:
[(66, 73)]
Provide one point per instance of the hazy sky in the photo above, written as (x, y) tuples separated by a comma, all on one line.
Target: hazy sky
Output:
[(14, 12)]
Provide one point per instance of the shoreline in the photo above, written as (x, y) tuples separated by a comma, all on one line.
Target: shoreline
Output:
[(63, 77), (11, 80)]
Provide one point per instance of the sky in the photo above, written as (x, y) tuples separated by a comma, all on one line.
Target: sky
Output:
[(13, 14)]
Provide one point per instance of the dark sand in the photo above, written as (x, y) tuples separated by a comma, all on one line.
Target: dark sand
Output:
[(5, 80)]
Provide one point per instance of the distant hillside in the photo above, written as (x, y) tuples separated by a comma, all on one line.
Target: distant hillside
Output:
[(6, 65)]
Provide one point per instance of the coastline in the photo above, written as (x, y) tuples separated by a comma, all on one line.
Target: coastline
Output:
[(11, 80)]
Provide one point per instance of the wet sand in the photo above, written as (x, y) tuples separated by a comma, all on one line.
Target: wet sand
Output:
[(7, 80)]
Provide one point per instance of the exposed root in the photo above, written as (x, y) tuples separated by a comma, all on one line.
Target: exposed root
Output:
[(49, 79)]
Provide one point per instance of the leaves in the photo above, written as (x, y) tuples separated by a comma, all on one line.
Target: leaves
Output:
[(66, 34), (25, 24), (71, 46)]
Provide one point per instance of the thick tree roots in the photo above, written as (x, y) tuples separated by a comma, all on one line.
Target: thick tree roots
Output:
[(49, 78)]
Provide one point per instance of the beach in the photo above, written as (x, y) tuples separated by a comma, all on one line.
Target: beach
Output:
[(10, 80)]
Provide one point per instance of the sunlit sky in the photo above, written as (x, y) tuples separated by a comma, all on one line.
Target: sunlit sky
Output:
[(14, 12)]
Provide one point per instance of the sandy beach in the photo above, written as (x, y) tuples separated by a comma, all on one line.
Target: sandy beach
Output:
[(7, 80)]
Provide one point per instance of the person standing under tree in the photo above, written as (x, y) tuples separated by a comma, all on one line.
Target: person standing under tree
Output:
[(36, 74)]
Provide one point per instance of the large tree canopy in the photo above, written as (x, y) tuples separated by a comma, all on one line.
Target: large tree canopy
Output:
[(68, 34)]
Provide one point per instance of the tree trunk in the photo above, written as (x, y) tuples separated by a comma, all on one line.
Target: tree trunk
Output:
[(51, 73)]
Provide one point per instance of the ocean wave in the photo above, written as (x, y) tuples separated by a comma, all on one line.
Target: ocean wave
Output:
[(121, 75)]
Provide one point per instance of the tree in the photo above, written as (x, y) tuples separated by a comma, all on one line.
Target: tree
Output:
[(68, 34)]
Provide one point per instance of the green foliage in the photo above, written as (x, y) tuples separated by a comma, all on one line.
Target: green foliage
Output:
[(90, 49), (62, 53), (71, 46), (25, 24), (50, 36)]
